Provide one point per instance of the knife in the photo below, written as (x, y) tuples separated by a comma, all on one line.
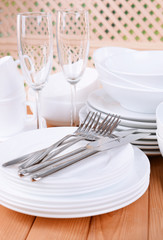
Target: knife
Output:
[(90, 149)]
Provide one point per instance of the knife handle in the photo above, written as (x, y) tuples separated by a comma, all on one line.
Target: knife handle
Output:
[(53, 169)]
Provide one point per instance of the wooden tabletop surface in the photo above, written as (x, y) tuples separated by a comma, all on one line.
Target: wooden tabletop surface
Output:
[(140, 220)]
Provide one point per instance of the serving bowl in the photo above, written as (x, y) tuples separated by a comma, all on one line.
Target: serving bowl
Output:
[(139, 67), (110, 77), (138, 100), (102, 55)]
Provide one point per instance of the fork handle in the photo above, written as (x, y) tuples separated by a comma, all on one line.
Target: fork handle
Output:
[(53, 169), (43, 153), (37, 167), (53, 154)]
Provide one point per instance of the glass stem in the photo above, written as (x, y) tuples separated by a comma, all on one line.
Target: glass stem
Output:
[(73, 105), (37, 92)]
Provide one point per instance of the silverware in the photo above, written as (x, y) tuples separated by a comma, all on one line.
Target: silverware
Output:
[(90, 149), (89, 130), (34, 168)]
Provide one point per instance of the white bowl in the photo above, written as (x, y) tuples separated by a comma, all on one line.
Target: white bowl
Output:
[(113, 78), (104, 53), (101, 56), (159, 119), (56, 96), (142, 100), (160, 142), (140, 67)]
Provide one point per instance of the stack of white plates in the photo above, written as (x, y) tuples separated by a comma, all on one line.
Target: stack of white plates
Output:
[(101, 183), (143, 122)]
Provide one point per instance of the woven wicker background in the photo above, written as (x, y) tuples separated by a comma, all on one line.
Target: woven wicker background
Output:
[(129, 23)]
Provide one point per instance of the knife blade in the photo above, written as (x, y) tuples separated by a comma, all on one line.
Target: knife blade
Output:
[(90, 149)]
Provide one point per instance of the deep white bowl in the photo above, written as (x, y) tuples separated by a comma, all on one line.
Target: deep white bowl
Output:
[(142, 100), (101, 56), (159, 119), (104, 53), (110, 77), (140, 67), (160, 142)]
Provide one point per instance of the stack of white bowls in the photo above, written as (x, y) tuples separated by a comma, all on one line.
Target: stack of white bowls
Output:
[(133, 78), (132, 84)]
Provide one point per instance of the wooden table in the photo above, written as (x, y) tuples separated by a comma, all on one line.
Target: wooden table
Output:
[(141, 220)]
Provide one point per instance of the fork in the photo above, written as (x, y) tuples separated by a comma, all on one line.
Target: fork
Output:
[(41, 165), (89, 130)]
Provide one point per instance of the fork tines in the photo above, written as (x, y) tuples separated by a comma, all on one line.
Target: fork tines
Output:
[(93, 122)]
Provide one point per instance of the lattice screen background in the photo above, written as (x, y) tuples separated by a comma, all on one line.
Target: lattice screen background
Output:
[(129, 23)]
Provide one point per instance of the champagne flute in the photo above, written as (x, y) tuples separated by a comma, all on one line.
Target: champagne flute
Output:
[(72, 32), (35, 47)]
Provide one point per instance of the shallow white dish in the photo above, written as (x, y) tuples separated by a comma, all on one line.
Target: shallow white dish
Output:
[(140, 67), (124, 122), (101, 101), (103, 163), (77, 213), (142, 100), (71, 211), (160, 142), (138, 179)]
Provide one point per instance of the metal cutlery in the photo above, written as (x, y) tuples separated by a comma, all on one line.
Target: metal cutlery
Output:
[(91, 129), (34, 168), (90, 149)]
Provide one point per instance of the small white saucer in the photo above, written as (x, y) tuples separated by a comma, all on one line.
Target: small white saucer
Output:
[(29, 125)]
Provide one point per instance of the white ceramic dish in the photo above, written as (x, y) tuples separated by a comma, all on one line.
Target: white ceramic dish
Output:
[(104, 53), (75, 214), (159, 119), (160, 142), (89, 209), (106, 75), (142, 100), (140, 67), (55, 101), (106, 200), (100, 165), (101, 101), (124, 122)]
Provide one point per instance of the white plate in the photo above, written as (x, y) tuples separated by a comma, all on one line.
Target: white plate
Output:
[(124, 122), (151, 131), (102, 210), (134, 181), (71, 178), (92, 206), (102, 102)]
